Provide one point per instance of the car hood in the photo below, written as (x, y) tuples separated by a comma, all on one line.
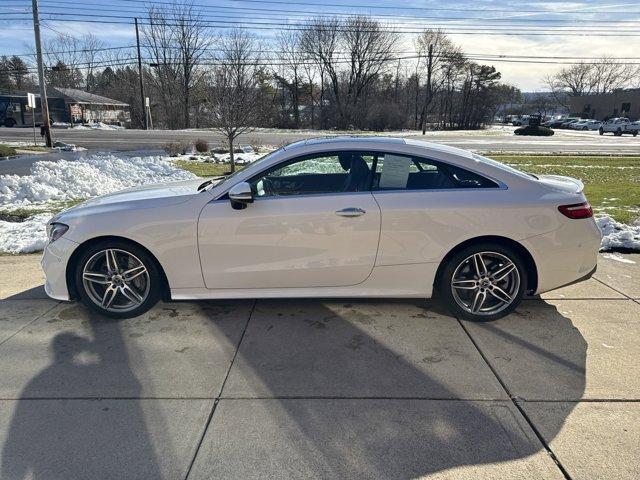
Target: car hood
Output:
[(172, 192), (136, 198)]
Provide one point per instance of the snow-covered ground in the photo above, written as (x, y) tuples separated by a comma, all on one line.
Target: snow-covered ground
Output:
[(247, 155), (88, 177), (618, 236)]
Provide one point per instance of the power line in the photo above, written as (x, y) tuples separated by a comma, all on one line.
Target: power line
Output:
[(581, 11), (462, 30), (307, 14)]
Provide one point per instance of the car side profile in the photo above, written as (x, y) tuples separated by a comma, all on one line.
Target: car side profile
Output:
[(333, 217)]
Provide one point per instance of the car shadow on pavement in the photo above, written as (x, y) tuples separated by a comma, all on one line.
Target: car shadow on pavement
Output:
[(80, 435), (361, 389)]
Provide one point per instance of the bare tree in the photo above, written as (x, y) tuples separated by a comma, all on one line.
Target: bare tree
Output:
[(177, 41), (234, 100), (288, 73), (434, 50), (367, 48)]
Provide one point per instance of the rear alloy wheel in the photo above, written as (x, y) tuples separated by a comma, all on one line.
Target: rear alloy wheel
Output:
[(483, 282), (117, 280)]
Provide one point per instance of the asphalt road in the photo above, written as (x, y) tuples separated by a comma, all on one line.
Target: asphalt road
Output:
[(483, 141)]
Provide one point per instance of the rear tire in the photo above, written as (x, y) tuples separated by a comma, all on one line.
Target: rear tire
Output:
[(482, 282), (117, 279), (9, 122)]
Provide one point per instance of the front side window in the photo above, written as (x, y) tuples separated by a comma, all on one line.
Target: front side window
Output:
[(332, 172), (402, 172)]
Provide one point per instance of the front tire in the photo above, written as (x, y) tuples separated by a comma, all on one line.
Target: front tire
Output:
[(117, 279), (483, 282)]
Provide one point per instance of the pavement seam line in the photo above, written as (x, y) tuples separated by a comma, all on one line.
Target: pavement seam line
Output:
[(615, 289), (29, 323), (217, 399), (514, 401)]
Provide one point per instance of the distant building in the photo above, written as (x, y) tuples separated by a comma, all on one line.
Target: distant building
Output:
[(85, 107), (620, 103), (66, 105)]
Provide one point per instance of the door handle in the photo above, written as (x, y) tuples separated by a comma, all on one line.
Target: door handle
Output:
[(351, 212)]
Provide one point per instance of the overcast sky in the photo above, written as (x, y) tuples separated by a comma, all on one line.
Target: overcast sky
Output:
[(494, 27)]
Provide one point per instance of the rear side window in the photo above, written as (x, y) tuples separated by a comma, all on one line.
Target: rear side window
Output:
[(402, 172)]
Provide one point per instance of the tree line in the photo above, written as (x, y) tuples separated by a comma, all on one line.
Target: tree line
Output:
[(326, 73)]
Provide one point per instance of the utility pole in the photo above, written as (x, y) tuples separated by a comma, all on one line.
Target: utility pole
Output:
[(44, 105), (141, 75)]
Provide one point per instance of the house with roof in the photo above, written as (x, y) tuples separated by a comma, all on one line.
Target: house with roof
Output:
[(85, 107)]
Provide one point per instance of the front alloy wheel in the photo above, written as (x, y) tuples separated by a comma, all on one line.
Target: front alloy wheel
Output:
[(118, 281), (483, 283)]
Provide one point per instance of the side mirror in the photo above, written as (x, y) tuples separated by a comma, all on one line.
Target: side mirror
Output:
[(240, 195)]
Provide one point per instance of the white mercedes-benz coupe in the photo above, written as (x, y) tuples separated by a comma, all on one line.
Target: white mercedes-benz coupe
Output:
[(332, 217)]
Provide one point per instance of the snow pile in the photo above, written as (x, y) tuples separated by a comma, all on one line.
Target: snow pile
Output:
[(104, 126), (24, 237), (616, 235), (84, 178), (97, 126)]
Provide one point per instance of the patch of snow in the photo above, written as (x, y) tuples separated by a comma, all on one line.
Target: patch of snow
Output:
[(24, 237), (67, 147), (618, 258), (23, 144), (616, 235), (104, 126), (84, 178)]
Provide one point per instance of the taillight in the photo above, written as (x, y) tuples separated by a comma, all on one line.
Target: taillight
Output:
[(577, 210)]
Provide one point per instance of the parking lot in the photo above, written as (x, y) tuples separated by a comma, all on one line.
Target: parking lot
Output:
[(322, 388)]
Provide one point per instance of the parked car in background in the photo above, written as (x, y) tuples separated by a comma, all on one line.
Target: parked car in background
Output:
[(618, 126), (332, 217), (520, 121), (554, 122), (568, 122), (588, 124)]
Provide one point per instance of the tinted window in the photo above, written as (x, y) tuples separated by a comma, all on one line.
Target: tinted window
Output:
[(332, 172), (401, 172)]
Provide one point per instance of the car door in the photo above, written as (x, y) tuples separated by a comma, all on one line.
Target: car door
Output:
[(428, 207), (313, 223)]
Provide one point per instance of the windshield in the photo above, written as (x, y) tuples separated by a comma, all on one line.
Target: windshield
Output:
[(215, 181)]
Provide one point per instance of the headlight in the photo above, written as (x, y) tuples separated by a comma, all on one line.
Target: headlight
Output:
[(56, 230)]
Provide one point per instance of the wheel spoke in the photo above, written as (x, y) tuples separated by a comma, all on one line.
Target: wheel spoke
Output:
[(109, 296), (478, 262), (464, 284), (131, 294), (112, 261), (502, 273), (134, 272), (96, 277), (478, 301), (501, 295)]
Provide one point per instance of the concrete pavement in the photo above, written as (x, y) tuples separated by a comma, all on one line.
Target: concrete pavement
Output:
[(322, 388)]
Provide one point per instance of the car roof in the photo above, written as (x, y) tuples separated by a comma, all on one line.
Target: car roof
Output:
[(374, 142)]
